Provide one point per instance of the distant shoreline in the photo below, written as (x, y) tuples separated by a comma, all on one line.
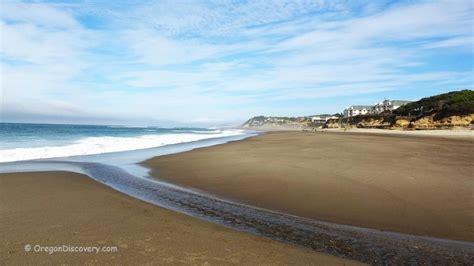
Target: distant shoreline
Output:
[(450, 133), (445, 133)]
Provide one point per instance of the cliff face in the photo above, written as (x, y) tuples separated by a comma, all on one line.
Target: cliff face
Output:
[(388, 121), (403, 122), (429, 122)]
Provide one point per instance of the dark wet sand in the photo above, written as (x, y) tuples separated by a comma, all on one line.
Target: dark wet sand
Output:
[(409, 184), (56, 208)]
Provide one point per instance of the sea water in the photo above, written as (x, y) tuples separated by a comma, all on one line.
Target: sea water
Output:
[(19, 142)]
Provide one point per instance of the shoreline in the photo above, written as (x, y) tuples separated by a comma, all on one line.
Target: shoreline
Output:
[(444, 133), (54, 203), (326, 243), (233, 161), (83, 146)]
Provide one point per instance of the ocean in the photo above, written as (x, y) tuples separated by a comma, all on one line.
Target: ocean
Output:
[(20, 142)]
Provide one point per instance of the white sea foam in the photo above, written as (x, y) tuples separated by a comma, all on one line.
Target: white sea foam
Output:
[(97, 145)]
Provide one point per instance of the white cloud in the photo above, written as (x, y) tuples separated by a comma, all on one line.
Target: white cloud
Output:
[(41, 15), (219, 59), (158, 50), (43, 51), (217, 18), (464, 41), (33, 44)]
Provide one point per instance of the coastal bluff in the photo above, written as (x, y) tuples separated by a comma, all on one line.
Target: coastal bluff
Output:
[(453, 110)]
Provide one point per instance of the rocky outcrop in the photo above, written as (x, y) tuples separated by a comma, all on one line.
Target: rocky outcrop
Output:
[(455, 121), (369, 121), (332, 123), (401, 122)]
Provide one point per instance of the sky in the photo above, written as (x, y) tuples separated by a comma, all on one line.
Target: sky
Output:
[(217, 63)]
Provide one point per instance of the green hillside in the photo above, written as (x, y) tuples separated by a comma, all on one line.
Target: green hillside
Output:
[(451, 103)]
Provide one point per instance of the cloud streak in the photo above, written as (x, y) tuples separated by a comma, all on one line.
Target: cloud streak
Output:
[(225, 61)]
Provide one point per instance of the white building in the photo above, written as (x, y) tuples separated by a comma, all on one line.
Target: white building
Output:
[(388, 105), (322, 118), (355, 110)]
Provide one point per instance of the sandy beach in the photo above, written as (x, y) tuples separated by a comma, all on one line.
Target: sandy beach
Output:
[(57, 208), (411, 184), (466, 134)]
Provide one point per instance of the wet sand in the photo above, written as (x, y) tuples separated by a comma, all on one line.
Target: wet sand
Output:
[(409, 184), (56, 208)]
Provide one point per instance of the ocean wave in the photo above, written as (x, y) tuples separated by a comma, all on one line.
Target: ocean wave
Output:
[(122, 126), (98, 145), (216, 131)]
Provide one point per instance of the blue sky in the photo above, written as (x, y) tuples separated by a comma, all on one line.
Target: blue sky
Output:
[(221, 62)]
